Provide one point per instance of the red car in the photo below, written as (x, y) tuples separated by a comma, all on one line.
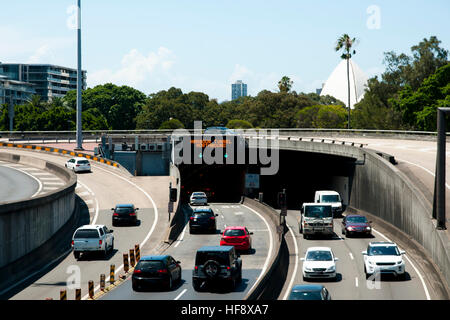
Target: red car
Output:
[(239, 237)]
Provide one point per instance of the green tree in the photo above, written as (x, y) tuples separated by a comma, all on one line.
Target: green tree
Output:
[(172, 124), (418, 108), (285, 84), (322, 116), (239, 124), (345, 44)]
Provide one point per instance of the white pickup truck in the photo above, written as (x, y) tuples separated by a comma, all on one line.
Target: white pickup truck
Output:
[(92, 238)]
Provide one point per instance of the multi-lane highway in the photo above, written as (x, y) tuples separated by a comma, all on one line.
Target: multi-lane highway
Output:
[(184, 249), (351, 283)]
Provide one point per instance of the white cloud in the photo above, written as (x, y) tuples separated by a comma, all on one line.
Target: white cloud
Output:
[(138, 70)]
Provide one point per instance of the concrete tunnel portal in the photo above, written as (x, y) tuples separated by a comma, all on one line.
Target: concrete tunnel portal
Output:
[(300, 173)]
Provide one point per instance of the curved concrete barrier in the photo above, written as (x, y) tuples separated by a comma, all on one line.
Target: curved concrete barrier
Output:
[(29, 224), (270, 284), (177, 219)]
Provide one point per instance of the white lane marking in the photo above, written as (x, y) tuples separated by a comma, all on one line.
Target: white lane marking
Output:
[(181, 236), (32, 176), (226, 207), (53, 183), (351, 256), (266, 264), (414, 267), (83, 194), (291, 282), (239, 213), (42, 174), (179, 296), (50, 179), (90, 201), (155, 208), (423, 168), (356, 281)]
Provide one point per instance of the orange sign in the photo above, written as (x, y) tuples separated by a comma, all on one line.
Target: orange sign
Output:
[(213, 144)]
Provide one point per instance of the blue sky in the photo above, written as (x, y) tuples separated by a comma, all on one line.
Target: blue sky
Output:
[(205, 45)]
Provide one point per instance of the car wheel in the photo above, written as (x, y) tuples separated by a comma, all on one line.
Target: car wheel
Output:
[(135, 287), (170, 284), (232, 284), (196, 284), (76, 254), (112, 247), (211, 269), (305, 236)]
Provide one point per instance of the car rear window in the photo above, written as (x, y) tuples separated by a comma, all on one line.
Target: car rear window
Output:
[(86, 234), (145, 265), (203, 214), (83, 162), (234, 233), (221, 257), (309, 295), (124, 210)]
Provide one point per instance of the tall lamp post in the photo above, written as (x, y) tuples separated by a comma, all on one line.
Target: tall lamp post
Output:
[(79, 83)]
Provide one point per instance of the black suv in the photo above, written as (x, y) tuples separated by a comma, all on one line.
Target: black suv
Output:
[(215, 264), (203, 219)]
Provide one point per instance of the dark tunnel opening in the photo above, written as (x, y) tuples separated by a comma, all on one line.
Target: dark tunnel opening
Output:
[(300, 173)]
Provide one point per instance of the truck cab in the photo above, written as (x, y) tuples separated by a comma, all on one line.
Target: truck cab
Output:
[(330, 197), (316, 219)]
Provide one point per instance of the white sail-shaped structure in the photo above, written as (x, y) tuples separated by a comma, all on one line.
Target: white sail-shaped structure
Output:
[(336, 85)]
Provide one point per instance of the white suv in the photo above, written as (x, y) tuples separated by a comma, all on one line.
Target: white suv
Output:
[(92, 238), (319, 262), (78, 164), (384, 258)]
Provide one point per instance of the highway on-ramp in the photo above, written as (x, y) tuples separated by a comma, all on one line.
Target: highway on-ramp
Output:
[(99, 191)]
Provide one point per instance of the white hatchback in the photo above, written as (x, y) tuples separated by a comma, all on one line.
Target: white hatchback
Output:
[(319, 262), (78, 164)]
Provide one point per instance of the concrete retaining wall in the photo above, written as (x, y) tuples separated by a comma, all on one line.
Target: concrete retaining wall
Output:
[(381, 189), (26, 225)]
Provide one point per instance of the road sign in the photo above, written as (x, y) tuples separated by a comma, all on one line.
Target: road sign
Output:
[(252, 181)]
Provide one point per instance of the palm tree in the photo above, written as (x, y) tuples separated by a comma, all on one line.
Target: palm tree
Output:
[(344, 44), (285, 84)]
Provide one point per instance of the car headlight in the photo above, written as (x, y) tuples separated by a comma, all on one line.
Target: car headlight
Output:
[(400, 262), (367, 228), (350, 228), (332, 268), (307, 269), (369, 262)]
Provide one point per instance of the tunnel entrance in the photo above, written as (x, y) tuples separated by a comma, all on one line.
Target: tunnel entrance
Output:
[(300, 173)]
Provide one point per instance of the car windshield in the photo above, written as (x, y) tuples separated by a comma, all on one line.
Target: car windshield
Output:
[(357, 219), (383, 251), (309, 295), (319, 256), (330, 198), (83, 162), (145, 265), (318, 211), (199, 194), (219, 256), (86, 234), (124, 210), (234, 233)]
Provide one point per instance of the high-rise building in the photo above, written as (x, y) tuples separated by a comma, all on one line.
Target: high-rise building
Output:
[(238, 89), (49, 80)]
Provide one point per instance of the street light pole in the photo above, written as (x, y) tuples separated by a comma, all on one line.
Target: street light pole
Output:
[(79, 83)]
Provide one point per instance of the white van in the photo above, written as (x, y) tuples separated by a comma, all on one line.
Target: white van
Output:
[(331, 197)]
